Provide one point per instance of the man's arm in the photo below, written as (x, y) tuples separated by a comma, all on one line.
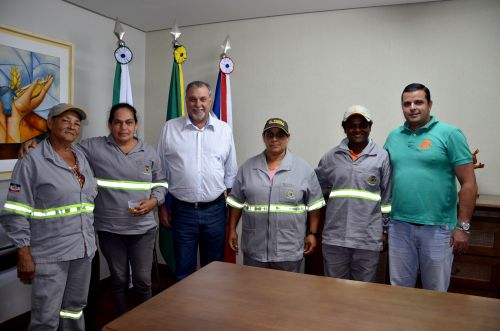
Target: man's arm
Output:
[(163, 211), (230, 165), (164, 216), (466, 203)]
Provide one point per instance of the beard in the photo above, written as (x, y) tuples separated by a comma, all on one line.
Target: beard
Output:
[(198, 116)]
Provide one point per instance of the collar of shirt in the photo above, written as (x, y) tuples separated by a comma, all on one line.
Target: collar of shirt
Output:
[(286, 163), (433, 121), (210, 123), (139, 147), (368, 150), (50, 153)]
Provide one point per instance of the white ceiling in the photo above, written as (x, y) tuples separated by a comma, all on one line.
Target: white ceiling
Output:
[(152, 15)]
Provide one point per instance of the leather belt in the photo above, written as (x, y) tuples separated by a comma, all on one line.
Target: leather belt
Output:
[(200, 205)]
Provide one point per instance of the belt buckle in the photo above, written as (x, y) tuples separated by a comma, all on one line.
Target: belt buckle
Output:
[(196, 205)]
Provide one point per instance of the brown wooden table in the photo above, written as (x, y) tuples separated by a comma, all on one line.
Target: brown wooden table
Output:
[(225, 296)]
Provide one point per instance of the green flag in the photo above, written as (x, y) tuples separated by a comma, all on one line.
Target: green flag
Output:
[(116, 84), (175, 109), (176, 93)]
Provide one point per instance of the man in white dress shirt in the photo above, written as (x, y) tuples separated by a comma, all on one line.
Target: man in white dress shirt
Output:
[(198, 154)]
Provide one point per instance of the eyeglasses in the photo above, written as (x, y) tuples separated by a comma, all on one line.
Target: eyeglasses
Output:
[(279, 135)]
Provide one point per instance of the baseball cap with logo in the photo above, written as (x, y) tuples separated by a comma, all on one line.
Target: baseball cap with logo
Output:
[(276, 123), (357, 110), (63, 107)]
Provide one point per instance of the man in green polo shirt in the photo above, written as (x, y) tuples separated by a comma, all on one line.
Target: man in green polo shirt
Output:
[(425, 230)]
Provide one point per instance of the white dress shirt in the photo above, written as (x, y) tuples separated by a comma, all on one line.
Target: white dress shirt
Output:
[(200, 164)]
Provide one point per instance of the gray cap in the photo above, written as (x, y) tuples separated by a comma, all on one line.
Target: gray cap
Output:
[(357, 110), (63, 107)]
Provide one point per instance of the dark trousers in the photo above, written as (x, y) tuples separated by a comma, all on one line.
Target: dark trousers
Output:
[(192, 227), (122, 250)]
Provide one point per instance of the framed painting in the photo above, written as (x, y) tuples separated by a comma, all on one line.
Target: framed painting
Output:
[(35, 74)]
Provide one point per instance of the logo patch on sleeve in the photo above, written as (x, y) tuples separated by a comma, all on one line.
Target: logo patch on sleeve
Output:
[(14, 187)]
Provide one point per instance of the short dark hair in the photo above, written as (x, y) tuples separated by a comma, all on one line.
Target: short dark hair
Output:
[(198, 84), (118, 106), (417, 87)]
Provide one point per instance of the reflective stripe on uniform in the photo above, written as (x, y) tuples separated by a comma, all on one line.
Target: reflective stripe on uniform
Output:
[(386, 209), (316, 204), (17, 208), (63, 211), (285, 209), (74, 315), (128, 185), (235, 204), (352, 193)]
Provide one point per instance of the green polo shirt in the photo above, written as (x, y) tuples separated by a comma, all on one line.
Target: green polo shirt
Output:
[(423, 179)]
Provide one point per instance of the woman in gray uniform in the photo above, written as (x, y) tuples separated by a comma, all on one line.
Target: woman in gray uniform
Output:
[(279, 197), (131, 183), (48, 216)]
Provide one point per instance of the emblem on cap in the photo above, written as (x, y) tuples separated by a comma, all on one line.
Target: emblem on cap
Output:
[(275, 121)]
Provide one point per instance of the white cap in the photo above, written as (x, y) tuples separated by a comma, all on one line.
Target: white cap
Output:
[(358, 110)]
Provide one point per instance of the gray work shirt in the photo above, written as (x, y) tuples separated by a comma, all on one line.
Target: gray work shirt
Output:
[(359, 191), (47, 209), (121, 178), (275, 213)]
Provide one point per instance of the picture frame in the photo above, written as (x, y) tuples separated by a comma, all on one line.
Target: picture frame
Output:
[(36, 63)]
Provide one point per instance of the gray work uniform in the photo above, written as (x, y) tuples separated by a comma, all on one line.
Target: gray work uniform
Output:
[(359, 198), (48, 211), (126, 239), (275, 213), (121, 178)]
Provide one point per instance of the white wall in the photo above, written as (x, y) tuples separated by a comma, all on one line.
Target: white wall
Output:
[(94, 65), (309, 68)]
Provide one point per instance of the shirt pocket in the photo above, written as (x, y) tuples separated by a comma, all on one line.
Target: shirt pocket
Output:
[(367, 179), (49, 195), (289, 194), (249, 242), (43, 231), (145, 168), (287, 241), (216, 161)]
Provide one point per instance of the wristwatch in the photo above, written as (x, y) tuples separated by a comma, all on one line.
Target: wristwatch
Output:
[(463, 226), (315, 234)]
